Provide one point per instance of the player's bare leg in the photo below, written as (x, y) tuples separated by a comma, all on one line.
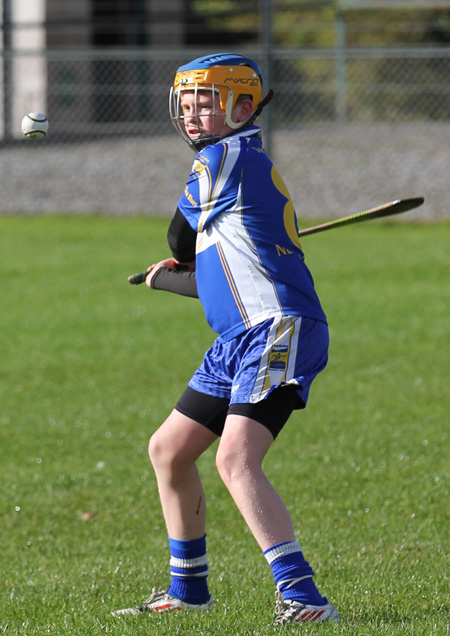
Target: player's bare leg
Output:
[(174, 449), (243, 446)]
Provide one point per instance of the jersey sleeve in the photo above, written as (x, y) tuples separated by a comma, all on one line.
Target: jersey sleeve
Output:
[(211, 187)]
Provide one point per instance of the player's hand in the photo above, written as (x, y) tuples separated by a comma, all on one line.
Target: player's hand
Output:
[(169, 263)]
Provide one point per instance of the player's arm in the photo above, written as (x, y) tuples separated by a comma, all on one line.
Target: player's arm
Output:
[(177, 274), (175, 280), (181, 238), (170, 275)]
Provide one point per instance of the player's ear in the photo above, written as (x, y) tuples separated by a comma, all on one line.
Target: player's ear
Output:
[(243, 109), (246, 109)]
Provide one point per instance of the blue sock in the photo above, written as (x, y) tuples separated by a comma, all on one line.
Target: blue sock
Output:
[(189, 570), (293, 574)]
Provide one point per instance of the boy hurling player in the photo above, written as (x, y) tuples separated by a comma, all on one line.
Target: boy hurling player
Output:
[(234, 243)]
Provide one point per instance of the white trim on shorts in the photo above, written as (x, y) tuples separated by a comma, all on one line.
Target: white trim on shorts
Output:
[(281, 349)]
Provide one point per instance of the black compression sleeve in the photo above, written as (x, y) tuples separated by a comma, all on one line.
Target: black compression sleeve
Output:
[(175, 281), (181, 238)]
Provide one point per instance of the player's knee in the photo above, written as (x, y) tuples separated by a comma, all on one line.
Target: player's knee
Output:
[(224, 467), (161, 453), (154, 449), (167, 456), (231, 465)]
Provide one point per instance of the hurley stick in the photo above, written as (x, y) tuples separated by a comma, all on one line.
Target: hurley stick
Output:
[(388, 209), (394, 207)]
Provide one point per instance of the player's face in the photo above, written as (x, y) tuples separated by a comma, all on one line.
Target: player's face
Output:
[(203, 114)]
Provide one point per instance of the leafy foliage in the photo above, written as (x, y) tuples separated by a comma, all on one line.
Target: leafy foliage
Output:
[(305, 23)]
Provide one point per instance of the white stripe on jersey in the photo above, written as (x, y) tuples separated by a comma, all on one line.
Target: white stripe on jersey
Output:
[(250, 279), (231, 152)]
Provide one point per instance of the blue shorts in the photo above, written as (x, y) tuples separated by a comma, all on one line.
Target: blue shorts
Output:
[(283, 350)]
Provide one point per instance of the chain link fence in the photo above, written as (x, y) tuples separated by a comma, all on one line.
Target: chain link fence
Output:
[(349, 128)]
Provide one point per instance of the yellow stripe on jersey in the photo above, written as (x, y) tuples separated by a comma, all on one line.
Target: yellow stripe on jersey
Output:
[(233, 288), (209, 206), (289, 211)]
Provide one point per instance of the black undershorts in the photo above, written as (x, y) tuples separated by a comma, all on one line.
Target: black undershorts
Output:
[(273, 412)]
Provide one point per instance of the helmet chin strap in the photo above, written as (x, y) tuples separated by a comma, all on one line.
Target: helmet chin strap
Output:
[(202, 142), (267, 99), (229, 110), (242, 124)]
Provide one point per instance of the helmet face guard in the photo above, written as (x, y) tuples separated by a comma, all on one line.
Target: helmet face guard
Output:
[(177, 116), (227, 77)]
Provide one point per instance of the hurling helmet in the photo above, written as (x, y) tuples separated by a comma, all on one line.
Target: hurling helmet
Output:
[(227, 76)]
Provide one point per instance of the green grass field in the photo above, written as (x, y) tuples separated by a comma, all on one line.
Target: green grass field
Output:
[(91, 365)]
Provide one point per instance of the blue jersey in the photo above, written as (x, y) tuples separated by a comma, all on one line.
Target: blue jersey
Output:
[(249, 262)]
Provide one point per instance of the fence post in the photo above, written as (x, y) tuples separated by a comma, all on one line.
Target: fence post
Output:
[(265, 11), (341, 67), (6, 70)]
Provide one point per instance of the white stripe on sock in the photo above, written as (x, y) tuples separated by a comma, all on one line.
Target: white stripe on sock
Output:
[(282, 550), (188, 563), (293, 581), (190, 575)]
